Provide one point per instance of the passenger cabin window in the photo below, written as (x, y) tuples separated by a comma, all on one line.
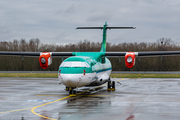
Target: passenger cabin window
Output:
[(74, 64)]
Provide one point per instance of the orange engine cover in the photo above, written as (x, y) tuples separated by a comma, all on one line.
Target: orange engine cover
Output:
[(45, 60), (130, 59)]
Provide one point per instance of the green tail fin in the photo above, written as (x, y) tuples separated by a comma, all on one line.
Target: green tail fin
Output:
[(103, 46)]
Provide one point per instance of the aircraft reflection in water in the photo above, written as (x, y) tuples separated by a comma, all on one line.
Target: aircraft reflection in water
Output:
[(88, 68), (82, 112)]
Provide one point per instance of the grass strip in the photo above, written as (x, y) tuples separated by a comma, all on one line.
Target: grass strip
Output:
[(144, 75), (124, 75)]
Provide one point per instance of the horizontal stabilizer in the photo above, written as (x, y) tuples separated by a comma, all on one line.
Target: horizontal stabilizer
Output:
[(120, 27), (106, 28), (89, 28)]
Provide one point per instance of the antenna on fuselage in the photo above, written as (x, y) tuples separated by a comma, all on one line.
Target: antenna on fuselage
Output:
[(104, 28)]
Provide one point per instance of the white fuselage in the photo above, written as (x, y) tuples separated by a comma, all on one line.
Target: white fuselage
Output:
[(88, 79), (81, 71)]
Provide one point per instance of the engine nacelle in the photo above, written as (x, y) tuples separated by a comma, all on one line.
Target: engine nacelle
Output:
[(45, 60), (130, 59)]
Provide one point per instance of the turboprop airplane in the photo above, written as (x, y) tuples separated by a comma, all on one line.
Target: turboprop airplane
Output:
[(88, 68)]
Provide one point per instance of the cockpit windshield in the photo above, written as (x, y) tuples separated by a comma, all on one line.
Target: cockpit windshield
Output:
[(74, 64)]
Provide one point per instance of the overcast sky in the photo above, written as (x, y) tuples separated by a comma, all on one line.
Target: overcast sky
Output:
[(54, 21)]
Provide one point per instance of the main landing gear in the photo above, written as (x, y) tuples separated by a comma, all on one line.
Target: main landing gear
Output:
[(71, 90), (111, 86)]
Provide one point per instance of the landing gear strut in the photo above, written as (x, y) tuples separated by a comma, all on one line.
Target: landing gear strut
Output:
[(67, 88), (72, 92), (111, 86)]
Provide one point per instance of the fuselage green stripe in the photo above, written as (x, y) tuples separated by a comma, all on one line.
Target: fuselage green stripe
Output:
[(104, 70)]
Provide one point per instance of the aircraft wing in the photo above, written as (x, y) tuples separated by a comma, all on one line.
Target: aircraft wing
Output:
[(131, 56), (45, 58), (159, 53), (144, 54), (35, 54)]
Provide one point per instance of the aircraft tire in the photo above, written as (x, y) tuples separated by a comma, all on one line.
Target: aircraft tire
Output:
[(113, 85), (73, 92), (109, 84), (70, 92)]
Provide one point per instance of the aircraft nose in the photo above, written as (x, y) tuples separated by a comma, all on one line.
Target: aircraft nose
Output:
[(71, 80), (75, 80)]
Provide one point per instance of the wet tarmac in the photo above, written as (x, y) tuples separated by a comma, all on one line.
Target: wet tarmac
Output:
[(133, 99)]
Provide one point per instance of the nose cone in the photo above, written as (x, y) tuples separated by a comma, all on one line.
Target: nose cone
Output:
[(70, 79), (75, 80)]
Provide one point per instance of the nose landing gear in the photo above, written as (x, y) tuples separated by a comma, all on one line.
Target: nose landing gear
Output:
[(111, 86), (67, 88), (72, 92)]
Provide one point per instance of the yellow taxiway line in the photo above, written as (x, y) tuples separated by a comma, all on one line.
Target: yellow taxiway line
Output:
[(33, 108), (16, 110)]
